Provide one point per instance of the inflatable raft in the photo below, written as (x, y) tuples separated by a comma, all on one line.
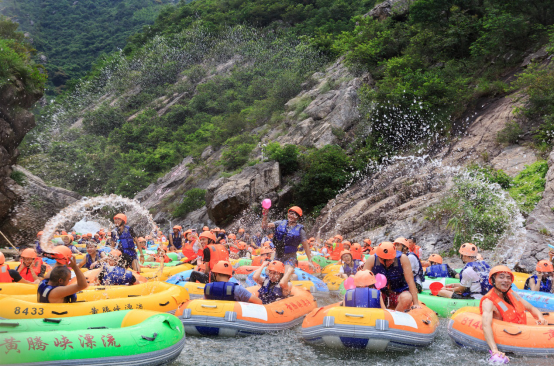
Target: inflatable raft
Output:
[(17, 289), (333, 282), (444, 306), (154, 273), (322, 261), (132, 337), (543, 301), (373, 330), (162, 297), (231, 318), (195, 290), (319, 286), (465, 329)]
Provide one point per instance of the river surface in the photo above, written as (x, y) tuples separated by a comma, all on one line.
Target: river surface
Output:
[(288, 348)]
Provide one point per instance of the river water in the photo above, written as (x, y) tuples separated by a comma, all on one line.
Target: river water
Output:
[(288, 348)]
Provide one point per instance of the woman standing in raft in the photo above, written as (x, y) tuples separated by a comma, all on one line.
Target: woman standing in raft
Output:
[(56, 290), (127, 243), (276, 285), (401, 291), (503, 304), (289, 234)]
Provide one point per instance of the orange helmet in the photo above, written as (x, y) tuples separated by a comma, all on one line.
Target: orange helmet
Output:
[(209, 235), (545, 266), (2, 258), (29, 253), (356, 247), (345, 252), (386, 250), (223, 267), (187, 232), (267, 244), (177, 227), (338, 237), (232, 236), (402, 240), (241, 230), (241, 245), (205, 228), (367, 241), (276, 266), (141, 239), (364, 278), (39, 233), (499, 269), (89, 235), (435, 258), (64, 252), (266, 251), (121, 216), (115, 253), (71, 238), (346, 243), (468, 249), (297, 210), (162, 247), (64, 232)]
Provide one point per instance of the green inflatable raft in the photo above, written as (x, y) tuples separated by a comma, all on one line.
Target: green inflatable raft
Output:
[(130, 337), (322, 261), (243, 262)]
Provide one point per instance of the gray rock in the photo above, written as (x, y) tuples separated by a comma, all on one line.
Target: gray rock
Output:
[(228, 197), (389, 8), (513, 159), (536, 56), (208, 151)]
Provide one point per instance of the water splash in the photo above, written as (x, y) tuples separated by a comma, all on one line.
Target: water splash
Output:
[(100, 209)]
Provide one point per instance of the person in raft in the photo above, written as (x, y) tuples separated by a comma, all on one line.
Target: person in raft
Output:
[(401, 291), (8, 275), (127, 243), (265, 256), (504, 304), (92, 258), (31, 268), (176, 238), (61, 254), (349, 264), (113, 272), (474, 276), (160, 255), (402, 245), (222, 289), (211, 254), (289, 234), (365, 295), (56, 290), (437, 269), (542, 280), (276, 286)]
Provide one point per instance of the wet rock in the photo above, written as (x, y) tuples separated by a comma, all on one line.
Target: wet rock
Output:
[(228, 197), (208, 151), (513, 159), (535, 57), (36, 203)]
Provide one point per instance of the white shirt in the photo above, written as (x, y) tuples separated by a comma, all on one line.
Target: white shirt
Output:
[(471, 280), (415, 267)]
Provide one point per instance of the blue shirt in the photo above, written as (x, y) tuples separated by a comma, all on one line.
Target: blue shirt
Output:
[(242, 294)]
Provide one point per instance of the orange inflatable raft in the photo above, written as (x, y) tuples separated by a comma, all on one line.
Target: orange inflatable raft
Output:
[(243, 271), (466, 330), (233, 318), (374, 330)]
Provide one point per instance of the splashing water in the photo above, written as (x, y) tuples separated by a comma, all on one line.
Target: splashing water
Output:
[(96, 209)]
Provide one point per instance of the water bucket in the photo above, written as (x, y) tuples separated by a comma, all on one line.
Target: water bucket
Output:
[(349, 283), (380, 281), (266, 204), (435, 287)]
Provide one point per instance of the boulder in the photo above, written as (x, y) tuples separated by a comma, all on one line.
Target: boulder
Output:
[(389, 8), (228, 197)]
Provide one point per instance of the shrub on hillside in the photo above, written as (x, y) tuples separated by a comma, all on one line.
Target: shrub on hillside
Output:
[(192, 200), (287, 156)]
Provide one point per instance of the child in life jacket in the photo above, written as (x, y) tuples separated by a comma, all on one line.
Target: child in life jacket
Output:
[(160, 256), (222, 289), (276, 285), (56, 289), (211, 254), (92, 258), (437, 269), (365, 295), (68, 242), (401, 245), (502, 303), (542, 280), (349, 265), (31, 268), (8, 275), (113, 273)]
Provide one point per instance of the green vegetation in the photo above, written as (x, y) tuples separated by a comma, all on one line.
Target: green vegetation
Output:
[(72, 34), (527, 186), (509, 134), (18, 177), (192, 200), (15, 59), (287, 156)]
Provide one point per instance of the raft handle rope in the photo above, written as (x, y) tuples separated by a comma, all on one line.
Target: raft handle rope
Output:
[(62, 313), (546, 314), (9, 324), (164, 304), (48, 320), (280, 312), (426, 321), (134, 295), (354, 315), (200, 287), (514, 334), (209, 306), (97, 328), (151, 339)]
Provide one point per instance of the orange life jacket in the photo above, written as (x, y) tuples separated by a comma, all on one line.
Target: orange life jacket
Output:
[(5, 274), (416, 251), (188, 251), (513, 314), (217, 253), (335, 254), (166, 258), (36, 267), (356, 253)]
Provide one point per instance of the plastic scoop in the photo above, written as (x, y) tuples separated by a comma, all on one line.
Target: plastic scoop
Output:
[(435, 287), (380, 281), (349, 283), (495, 358), (266, 203)]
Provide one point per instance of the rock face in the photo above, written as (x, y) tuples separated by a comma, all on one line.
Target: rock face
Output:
[(392, 202), (15, 121), (389, 8), (37, 202), (228, 197), (540, 225)]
